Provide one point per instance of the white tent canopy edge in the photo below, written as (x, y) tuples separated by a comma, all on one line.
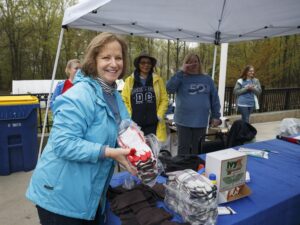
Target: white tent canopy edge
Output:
[(214, 21)]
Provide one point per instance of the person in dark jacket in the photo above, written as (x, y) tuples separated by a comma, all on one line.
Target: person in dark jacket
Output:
[(146, 98)]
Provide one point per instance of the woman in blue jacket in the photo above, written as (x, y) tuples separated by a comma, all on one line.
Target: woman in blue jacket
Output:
[(196, 100), (71, 178)]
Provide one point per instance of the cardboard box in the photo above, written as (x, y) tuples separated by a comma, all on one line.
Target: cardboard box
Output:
[(229, 166), (234, 194)]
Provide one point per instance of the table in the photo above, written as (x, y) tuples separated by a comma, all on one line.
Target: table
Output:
[(275, 185), (207, 141)]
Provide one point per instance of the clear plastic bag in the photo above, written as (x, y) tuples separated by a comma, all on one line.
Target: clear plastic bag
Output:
[(289, 126), (144, 151), (255, 152), (192, 196), (129, 183)]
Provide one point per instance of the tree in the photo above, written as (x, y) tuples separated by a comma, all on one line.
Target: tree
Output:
[(15, 30), (29, 33)]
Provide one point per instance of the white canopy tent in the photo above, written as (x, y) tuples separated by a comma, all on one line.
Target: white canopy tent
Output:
[(220, 21), (213, 21)]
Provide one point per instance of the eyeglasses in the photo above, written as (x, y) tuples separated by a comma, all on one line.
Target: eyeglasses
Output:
[(145, 63)]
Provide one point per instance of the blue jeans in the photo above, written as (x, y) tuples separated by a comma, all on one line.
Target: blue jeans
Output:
[(245, 112)]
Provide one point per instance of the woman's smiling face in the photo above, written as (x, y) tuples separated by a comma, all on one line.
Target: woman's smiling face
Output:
[(250, 73), (110, 62), (145, 65)]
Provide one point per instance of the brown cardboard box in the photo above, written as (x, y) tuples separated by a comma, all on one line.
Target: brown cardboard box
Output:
[(234, 194)]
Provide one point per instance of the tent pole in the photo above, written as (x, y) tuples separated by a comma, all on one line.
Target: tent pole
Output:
[(51, 88), (213, 77), (168, 61), (214, 63), (222, 75), (177, 54)]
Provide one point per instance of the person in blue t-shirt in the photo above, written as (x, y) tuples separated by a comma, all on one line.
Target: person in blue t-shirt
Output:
[(196, 101), (247, 90)]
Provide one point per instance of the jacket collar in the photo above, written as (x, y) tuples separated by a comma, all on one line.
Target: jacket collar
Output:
[(80, 77), (154, 75)]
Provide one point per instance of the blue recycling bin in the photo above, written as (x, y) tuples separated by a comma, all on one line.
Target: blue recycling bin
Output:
[(18, 133)]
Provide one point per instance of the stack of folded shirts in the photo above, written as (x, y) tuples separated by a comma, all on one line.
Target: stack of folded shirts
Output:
[(193, 196)]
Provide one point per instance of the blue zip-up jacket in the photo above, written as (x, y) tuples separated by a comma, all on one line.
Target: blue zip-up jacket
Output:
[(57, 91), (196, 98), (70, 178)]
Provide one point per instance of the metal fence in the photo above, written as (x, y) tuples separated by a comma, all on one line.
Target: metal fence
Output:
[(270, 100)]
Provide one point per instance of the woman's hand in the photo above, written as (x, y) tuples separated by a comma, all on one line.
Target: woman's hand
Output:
[(119, 154), (250, 87), (215, 122), (187, 68)]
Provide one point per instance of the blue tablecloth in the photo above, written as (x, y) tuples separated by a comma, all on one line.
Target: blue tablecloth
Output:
[(275, 185)]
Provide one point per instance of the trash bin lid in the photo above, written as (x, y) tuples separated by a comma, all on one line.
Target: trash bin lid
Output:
[(18, 100)]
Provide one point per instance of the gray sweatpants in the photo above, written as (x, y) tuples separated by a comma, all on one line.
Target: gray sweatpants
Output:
[(189, 139)]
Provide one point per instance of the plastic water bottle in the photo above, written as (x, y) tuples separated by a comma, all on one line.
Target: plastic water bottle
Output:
[(213, 178), (212, 220)]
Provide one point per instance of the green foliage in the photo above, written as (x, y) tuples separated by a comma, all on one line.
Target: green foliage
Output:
[(29, 32), (275, 60)]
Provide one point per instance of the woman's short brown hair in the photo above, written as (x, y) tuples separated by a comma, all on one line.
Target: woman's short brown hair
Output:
[(188, 57), (89, 66)]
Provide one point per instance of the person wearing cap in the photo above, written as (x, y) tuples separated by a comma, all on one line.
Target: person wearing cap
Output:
[(197, 101), (146, 98)]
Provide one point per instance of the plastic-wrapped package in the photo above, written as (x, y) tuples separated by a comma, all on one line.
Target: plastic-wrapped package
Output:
[(255, 152), (144, 151), (289, 126), (193, 196)]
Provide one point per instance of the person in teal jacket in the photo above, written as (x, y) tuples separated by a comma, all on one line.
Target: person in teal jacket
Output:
[(71, 178)]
